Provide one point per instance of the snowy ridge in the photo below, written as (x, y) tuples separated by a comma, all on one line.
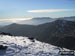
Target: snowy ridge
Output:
[(22, 46)]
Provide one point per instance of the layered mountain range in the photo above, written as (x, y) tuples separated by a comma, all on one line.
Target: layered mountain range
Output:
[(32, 21), (59, 32)]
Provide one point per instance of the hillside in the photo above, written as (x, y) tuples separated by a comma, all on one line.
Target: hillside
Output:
[(59, 32)]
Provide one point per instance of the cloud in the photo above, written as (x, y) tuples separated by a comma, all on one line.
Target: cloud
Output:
[(49, 10), (14, 20)]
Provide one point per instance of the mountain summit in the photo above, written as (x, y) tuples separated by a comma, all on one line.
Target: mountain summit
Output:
[(41, 18)]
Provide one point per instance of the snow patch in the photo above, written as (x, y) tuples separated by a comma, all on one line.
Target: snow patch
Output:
[(22, 46)]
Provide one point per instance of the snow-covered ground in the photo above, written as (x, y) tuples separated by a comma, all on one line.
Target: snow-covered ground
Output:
[(22, 46)]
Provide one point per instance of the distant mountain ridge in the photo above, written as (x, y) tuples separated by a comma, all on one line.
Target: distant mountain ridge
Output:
[(72, 18), (41, 18), (33, 21), (37, 21)]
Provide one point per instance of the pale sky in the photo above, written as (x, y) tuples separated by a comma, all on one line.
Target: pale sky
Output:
[(20, 9)]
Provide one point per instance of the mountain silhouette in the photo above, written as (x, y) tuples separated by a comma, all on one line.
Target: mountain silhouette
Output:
[(37, 21), (72, 18), (33, 21)]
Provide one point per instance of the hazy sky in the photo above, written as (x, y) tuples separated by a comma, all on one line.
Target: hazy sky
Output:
[(36, 8)]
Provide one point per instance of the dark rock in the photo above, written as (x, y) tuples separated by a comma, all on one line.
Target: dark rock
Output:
[(3, 47), (3, 33), (32, 39)]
